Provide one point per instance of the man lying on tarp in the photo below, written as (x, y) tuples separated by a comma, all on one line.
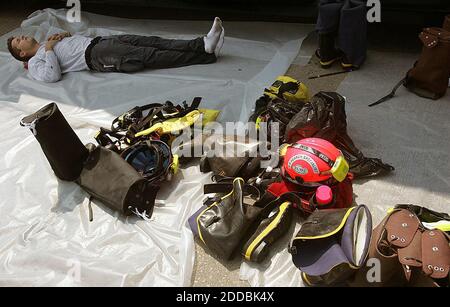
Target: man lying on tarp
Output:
[(63, 53)]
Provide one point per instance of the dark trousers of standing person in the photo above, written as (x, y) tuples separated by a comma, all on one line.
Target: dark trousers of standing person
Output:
[(346, 21), (131, 53)]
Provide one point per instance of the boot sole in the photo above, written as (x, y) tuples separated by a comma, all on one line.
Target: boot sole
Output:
[(348, 66), (327, 64)]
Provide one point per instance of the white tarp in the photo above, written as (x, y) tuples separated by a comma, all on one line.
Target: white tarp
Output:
[(45, 236), (409, 132)]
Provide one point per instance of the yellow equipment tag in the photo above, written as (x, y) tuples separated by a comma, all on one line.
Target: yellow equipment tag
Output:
[(340, 169)]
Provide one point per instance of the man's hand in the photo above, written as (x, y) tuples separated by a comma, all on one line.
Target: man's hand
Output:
[(50, 44), (59, 36)]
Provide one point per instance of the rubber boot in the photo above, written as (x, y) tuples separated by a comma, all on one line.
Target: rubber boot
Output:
[(353, 34), (327, 27), (327, 52), (268, 232)]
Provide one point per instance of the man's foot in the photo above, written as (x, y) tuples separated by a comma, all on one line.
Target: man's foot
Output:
[(212, 38), (220, 43)]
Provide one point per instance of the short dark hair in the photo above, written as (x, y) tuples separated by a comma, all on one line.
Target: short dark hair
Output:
[(16, 52)]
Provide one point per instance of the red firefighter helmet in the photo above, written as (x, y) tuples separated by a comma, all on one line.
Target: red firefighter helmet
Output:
[(313, 160)]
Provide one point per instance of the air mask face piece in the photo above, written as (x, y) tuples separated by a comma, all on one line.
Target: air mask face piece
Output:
[(152, 159)]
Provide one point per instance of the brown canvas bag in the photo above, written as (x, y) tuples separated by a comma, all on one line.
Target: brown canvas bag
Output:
[(430, 74), (409, 253), (446, 25)]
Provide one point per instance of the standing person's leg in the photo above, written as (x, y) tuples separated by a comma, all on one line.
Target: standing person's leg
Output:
[(112, 55), (327, 28), (353, 33)]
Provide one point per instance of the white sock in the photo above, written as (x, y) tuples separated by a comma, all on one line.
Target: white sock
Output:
[(217, 24), (220, 43), (213, 36)]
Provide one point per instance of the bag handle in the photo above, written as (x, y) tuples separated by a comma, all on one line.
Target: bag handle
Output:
[(224, 188)]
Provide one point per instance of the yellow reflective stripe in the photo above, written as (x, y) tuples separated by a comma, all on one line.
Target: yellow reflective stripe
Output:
[(173, 124), (305, 279), (258, 123), (330, 233), (328, 62), (269, 228), (175, 164), (214, 204), (347, 65), (149, 130), (309, 283)]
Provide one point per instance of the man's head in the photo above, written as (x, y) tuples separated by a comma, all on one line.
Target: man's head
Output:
[(22, 48)]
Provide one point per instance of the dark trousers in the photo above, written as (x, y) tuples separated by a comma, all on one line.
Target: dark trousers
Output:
[(347, 19), (131, 53)]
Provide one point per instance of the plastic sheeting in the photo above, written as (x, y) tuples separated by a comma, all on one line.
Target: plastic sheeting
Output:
[(46, 238), (409, 132)]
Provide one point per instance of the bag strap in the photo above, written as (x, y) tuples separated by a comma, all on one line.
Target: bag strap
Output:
[(391, 94), (154, 112), (226, 187), (157, 112), (292, 197), (136, 110)]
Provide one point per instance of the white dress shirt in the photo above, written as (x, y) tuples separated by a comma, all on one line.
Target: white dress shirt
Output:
[(67, 55)]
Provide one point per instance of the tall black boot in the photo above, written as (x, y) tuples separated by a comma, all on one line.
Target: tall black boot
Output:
[(353, 33), (327, 52), (327, 27)]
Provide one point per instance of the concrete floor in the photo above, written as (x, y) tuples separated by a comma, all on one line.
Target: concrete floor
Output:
[(11, 18)]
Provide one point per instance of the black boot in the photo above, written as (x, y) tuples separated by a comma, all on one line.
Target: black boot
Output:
[(268, 232), (327, 52), (353, 34)]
